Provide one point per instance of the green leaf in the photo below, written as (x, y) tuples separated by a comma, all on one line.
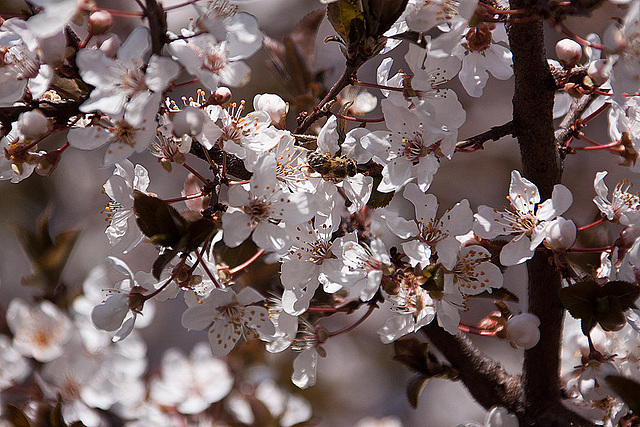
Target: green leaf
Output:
[(346, 17), (609, 314), (377, 198), (196, 233), (628, 390), (498, 294), (158, 220)]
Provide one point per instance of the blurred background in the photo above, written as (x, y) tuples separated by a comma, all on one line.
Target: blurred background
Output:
[(358, 378)]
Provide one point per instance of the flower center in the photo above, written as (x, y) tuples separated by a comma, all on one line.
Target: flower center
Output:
[(21, 60)]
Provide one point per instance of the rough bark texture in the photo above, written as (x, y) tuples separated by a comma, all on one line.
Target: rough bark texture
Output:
[(533, 120), (485, 379)]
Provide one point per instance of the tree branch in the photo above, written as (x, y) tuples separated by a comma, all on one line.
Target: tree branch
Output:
[(533, 120), (485, 379), (493, 134), (567, 128)]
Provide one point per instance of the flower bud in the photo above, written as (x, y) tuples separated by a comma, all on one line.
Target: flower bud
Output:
[(189, 121), (32, 124), (523, 330), (599, 72), (221, 96), (569, 52), (271, 104), (100, 22), (110, 45), (560, 234)]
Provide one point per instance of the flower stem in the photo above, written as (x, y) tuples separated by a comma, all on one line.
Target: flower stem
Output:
[(593, 224), (193, 171), (246, 263), (352, 327)]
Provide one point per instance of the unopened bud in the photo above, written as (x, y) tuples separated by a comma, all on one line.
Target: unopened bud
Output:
[(560, 235), (599, 72), (110, 45), (222, 95), (523, 330), (189, 121), (100, 22), (569, 52), (32, 124), (273, 105)]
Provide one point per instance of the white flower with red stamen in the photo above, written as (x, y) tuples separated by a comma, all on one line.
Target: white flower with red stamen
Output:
[(228, 317), (126, 134), (21, 64), (526, 221), (623, 208), (123, 232), (307, 264), (263, 208), (415, 308), (40, 332), (473, 272), (364, 266), (122, 80), (431, 234), (481, 54), (412, 150)]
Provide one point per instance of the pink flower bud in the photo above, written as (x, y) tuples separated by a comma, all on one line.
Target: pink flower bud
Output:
[(189, 121), (523, 330), (221, 96), (32, 124), (271, 104), (569, 52), (599, 71), (560, 234), (100, 22)]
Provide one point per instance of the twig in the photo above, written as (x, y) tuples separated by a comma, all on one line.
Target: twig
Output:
[(493, 134)]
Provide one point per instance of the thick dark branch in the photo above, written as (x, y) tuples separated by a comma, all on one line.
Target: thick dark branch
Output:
[(235, 165), (533, 118), (157, 25), (485, 379), (493, 134), (59, 111)]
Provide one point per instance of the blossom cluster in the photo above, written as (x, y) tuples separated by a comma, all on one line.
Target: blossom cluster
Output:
[(344, 211)]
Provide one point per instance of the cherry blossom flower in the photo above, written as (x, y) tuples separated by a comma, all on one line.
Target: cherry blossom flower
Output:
[(126, 134), (624, 41), (308, 263), (123, 232), (367, 264), (261, 208), (55, 15), (40, 332), (431, 234), (228, 317), (21, 65), (623, 208), (473, 272), (481, 54), (121, 80), (415, 309), (118, 313), (560, 234), (16, 163), (309, 345), (527, 221), (413, 144), (191, 384)]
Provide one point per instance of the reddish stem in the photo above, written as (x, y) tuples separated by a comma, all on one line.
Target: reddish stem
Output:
[(593, 224), (179, 5), (471, 329), (177, 85), (193, 171), (246, 263), (124, 13), (613, 144), (356, 119), (566, 31), (355, 325), (183, 198), (601, 249), (206, 269), (595, 113)]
